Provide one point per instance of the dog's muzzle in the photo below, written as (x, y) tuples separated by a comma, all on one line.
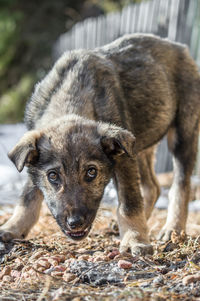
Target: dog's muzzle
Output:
[(76, 229), (77, 235)]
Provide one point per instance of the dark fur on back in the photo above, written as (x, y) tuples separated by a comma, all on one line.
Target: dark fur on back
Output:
[(137, 75), (98, 114)]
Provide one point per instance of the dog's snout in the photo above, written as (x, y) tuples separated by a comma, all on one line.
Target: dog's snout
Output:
[(75, 221)]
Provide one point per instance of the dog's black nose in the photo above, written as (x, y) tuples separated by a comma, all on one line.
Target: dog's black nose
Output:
[(75, 221)]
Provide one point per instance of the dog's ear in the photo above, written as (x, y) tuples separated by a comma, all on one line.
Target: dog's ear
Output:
[(25, 151), (116, 141)]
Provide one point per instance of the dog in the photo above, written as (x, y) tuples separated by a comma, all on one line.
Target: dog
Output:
[(98, 115)]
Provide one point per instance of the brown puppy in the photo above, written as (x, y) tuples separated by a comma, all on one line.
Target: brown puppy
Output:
[(97, 115)]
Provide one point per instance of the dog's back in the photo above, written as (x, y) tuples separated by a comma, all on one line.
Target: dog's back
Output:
[(142, 83), (136, 78)]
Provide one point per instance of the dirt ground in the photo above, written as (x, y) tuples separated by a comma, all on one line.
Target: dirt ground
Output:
[(47, 266)]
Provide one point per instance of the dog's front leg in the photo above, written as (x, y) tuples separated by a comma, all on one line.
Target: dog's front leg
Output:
[(131, 215), (25, 214)]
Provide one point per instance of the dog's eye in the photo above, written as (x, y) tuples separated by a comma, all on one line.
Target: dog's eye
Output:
[(91, 173), (53, 177)]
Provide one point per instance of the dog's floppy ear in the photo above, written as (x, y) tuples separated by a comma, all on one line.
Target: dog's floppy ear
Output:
[(116, 141), (25, 151)]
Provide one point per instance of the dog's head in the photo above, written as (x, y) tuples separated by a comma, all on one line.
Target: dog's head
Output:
[(71, 162)]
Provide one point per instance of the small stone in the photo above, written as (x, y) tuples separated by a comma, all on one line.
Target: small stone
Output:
[(15, 274), (7, 278), (84, 257), (113, 254), (124, 264), (101, 258), (57, 273), (53, 262), (43, 263), (81, 250), (97, 259), (98, 253), (60, 268), (41, 269), (6, 271), (19, 264), (59, 258), (36, 255), (49, 271), (68, 277)]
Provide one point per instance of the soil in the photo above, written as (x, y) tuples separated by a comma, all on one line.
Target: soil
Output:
[(48, 266)]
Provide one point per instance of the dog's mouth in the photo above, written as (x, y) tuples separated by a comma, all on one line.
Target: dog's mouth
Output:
[(77, 235)]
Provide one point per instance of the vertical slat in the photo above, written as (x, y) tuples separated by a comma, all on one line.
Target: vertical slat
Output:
[(129, 19), (194, 42), (173, 20), (155, 17), (145, 17), (133, 20), (151, 15), (140, 17)]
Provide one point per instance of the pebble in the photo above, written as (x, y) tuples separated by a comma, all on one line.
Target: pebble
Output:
[(100, 258), (68, 277), (6, 271), (53, 262), (43, 263), (7, 278), (57, 273), (40, 269), (81, 250), (124, 264), (113, 254), (191, 278), (84, 257), (58, 258), (36, 255), (60, 268), (15, 274)]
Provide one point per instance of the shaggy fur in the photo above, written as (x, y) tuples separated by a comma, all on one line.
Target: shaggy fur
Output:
[(97, 115)]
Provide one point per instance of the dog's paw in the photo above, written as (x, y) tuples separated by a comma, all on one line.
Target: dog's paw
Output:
[(142, 249), (6, 235), (136, 248), (167, 234)]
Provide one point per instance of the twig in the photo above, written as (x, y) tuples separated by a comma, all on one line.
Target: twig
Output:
[(45, 289)]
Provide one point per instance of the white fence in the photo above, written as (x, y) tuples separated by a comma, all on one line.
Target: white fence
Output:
[(179, 20)]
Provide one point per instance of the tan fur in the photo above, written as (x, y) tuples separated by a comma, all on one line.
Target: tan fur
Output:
[(98, 115), (22, 220)]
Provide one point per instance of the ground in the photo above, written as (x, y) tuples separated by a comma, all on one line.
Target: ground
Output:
[(47, 266)]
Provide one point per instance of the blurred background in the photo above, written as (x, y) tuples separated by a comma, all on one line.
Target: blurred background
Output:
[(33, 34)]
